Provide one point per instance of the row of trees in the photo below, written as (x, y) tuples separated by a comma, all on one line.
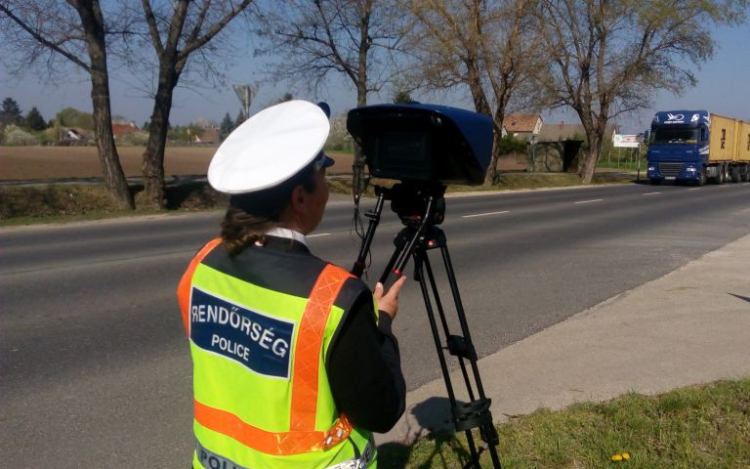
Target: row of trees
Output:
[(32, 129), (600, 58), (11, 115)]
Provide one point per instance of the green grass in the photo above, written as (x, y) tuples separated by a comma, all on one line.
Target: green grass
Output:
[(696, 427), (624, 165)]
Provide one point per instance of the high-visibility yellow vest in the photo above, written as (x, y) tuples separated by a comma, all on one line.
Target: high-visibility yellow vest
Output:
[(261, 392)]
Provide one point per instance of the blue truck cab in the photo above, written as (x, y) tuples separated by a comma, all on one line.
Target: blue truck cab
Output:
[(678, 146)]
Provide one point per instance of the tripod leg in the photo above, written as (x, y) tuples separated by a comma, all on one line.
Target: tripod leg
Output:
[(389, 267), (487, 428), (419, 271), (446, 330), (461, 316), (420, 260)]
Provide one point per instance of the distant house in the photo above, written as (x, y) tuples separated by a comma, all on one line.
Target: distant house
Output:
[(562, 131), (74, 136), (121, 130), (71, 134), (522, 126)]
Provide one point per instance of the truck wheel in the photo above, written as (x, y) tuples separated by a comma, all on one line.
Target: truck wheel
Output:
[(735, 174), (701, 178), (722, 177), (746, 173)]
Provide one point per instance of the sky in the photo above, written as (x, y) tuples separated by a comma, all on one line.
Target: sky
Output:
[(723, 88)]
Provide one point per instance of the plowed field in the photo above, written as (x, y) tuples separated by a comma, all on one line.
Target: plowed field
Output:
[(29, 163)]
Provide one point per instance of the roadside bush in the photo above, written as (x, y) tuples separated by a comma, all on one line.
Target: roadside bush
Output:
[(511, 144), (52, 200), (93, 200), (15, 136), (191, 196)]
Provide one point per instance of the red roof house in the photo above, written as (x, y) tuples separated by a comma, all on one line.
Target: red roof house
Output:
[(121, 130), (523, 125)]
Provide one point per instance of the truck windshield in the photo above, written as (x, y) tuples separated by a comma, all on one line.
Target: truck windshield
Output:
[(672, 136)]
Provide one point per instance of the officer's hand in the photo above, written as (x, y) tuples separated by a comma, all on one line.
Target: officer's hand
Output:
[(388, 302)]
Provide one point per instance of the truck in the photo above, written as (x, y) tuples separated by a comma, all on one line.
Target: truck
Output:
[(698, 147)]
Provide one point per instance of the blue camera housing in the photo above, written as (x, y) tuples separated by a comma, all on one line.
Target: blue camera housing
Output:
[(423, 142)]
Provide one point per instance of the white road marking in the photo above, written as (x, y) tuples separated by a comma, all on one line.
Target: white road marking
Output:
[(318, 235), (695, 188), (485, 214), (652, 193), (588, 201)]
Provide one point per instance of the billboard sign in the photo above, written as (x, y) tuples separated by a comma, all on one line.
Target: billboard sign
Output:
[(626, 141)]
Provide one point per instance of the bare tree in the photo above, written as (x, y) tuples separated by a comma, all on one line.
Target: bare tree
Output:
[(44, 30), (355, 39), (609, 57), (177, 30), (478, 44)]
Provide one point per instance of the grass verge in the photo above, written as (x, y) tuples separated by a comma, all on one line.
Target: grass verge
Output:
[(54, 203), (697, 427)]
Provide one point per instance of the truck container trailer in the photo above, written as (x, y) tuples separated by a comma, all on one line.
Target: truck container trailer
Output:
[(698, 146)]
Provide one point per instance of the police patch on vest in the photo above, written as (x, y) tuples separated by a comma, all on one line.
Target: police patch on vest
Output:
[(211, 460), (259, 342)]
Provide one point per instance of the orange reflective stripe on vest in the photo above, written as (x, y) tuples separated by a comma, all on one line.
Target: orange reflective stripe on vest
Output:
[(307, 351), (302, 437), (274, 443), (183, 290)]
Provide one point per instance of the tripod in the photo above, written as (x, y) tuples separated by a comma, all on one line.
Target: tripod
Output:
[(421, 208)]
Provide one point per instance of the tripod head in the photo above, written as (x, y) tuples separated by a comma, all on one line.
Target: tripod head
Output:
[(420, 206), (410, 200)]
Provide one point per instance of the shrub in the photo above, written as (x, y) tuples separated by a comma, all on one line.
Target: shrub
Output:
[(14, 136), (510, 144), (43, 137)]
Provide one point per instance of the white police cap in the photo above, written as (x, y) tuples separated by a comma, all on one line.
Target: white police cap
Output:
[(271, 147)]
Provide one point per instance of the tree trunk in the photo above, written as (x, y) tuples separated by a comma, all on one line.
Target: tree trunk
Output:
[(497, 135), (153, 157), (592, 157), (114, 177), (358, 166), (477, 92)]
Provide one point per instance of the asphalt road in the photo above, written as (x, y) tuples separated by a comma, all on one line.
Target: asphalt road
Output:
[(95, 369)]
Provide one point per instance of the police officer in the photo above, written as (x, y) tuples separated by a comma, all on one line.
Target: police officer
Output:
[(294, 362)]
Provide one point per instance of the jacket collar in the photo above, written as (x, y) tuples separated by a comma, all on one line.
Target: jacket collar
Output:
[(287, 233)]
